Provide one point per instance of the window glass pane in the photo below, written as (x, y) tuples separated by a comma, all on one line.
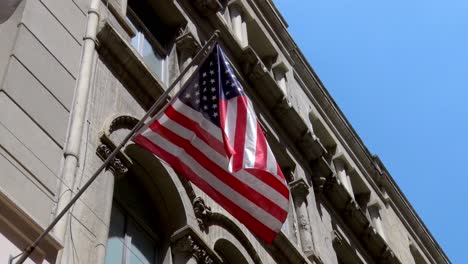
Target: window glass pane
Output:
[(135, 42), (117, 223), (142, 248), (151, 58), (114, 251)]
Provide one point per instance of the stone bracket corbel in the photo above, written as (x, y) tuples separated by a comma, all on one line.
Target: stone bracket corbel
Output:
[(252, 66), (299, 188), (117, 165), (187, 241)]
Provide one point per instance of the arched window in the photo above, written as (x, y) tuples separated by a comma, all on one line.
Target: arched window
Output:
[(132, 235), (229, 253)]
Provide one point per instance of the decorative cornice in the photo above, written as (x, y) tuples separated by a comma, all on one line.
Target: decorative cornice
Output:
[(117, 166)]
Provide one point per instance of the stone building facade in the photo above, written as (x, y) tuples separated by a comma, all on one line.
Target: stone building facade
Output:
[(76, 76)]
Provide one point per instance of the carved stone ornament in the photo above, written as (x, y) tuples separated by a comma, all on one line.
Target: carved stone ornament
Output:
[(202, 213), (116, 165), (122, 122), (299, 188), (187, 44), (188, 244)]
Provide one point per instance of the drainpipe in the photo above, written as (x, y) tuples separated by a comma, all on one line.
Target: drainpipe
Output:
[(77, 119)]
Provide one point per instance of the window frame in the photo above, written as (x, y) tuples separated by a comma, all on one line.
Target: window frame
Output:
[(130, 218), (140, 31)]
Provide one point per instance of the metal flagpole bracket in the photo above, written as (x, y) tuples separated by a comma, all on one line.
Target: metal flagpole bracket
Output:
[(200, 56)]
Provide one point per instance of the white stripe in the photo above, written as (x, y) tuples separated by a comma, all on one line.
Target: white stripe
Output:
[(250, 145), (245, 177), (181, 130), (230, 123), (198, 118), (271, 162), (244, 203), (262, 188)]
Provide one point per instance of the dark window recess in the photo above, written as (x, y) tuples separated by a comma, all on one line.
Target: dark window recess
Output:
[(156, 17)]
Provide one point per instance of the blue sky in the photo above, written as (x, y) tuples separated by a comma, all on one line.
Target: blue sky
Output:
[(399, 71)]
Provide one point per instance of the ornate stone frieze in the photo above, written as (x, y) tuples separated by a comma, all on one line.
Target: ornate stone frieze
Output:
[(116, 165)]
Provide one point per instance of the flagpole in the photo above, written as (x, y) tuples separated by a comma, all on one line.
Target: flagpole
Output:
[(199, 56)]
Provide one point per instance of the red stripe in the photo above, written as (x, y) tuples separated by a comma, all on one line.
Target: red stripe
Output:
[(261, 149), (239, 138), (201, 133), (243, 189), (248, 220), (222, 117), (270, 180)]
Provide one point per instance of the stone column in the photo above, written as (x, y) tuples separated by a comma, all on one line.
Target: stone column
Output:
[(116, 169), (343, 175), (238, 25), (300, 190), (187, 47)]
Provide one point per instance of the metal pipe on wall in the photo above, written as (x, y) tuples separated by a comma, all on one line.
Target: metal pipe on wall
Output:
[(77, 119)]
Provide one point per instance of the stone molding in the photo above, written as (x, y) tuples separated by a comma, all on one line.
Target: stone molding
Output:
[(121, 122)]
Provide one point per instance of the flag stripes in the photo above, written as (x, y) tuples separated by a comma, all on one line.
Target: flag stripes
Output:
[(210, 134)]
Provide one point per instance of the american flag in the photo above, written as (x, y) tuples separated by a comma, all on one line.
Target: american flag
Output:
[(209, 134)]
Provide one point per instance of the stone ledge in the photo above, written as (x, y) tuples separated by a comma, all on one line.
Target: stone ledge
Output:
[(128, 66), (356, 219)]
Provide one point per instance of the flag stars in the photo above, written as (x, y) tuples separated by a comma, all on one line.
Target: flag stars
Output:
[(212, 81), (213, 89), (204, 74), (215, 114), (213, 97), (211, 72)]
